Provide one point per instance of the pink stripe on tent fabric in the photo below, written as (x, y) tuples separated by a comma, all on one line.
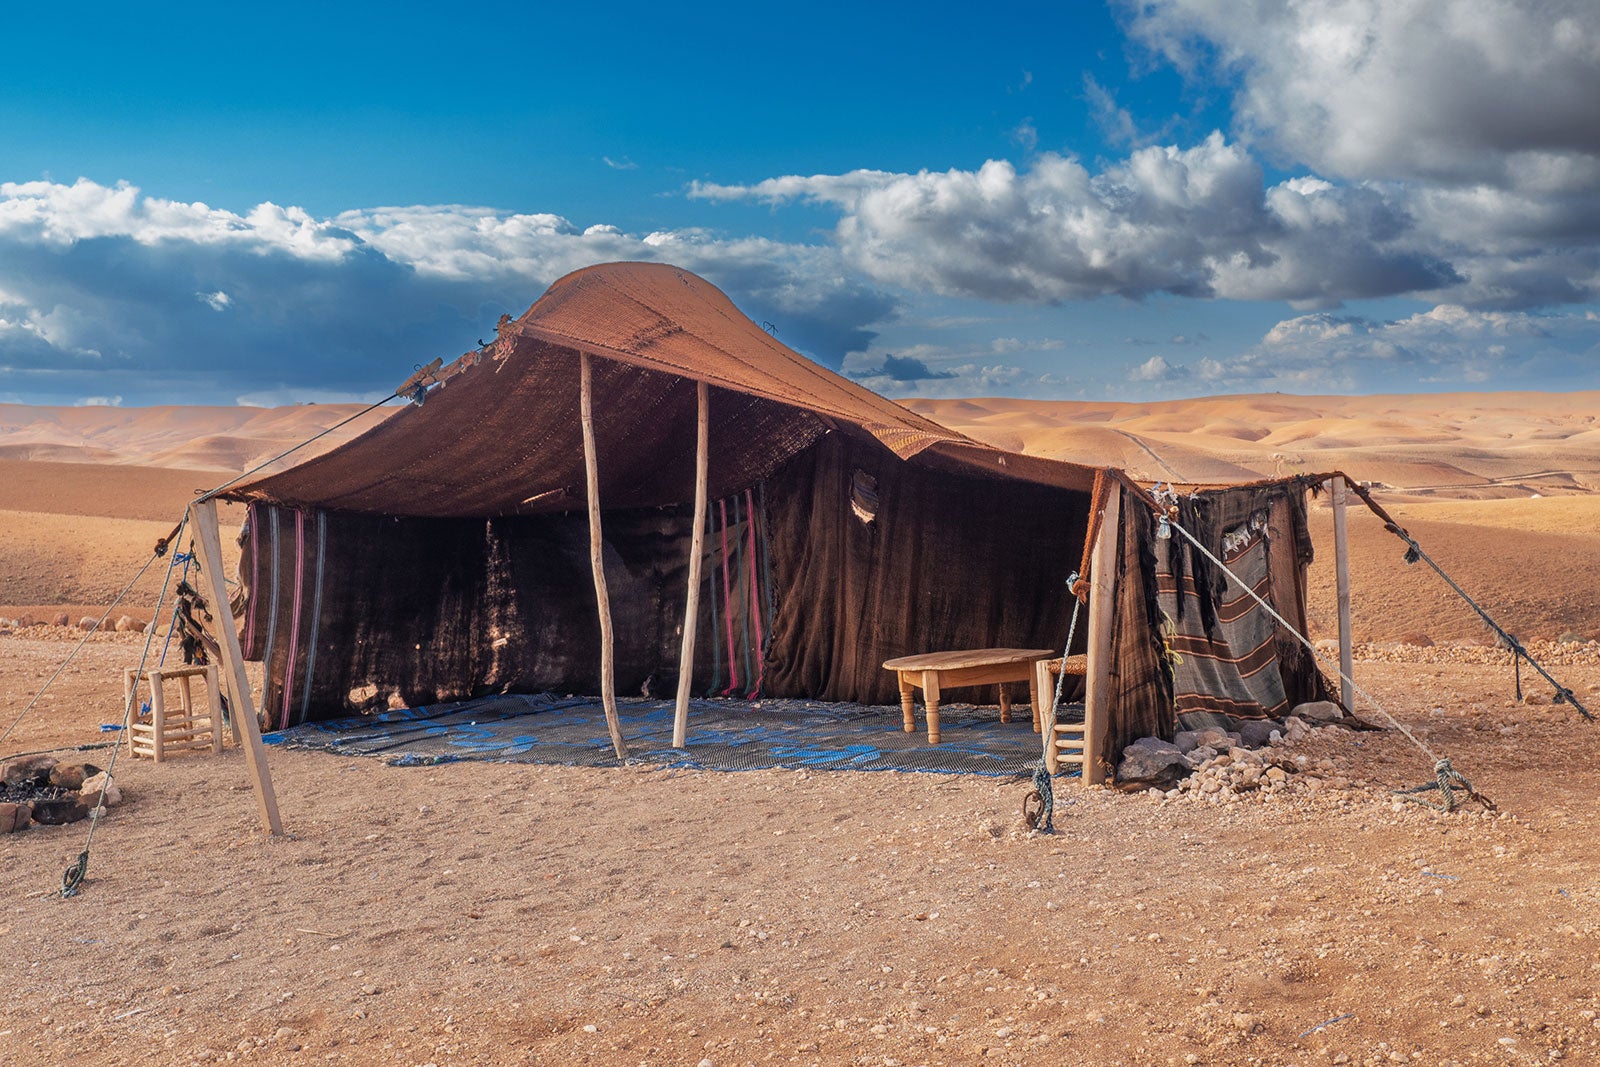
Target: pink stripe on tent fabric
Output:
[(294, 623), (727, 600), (755, 593), (255, 579)]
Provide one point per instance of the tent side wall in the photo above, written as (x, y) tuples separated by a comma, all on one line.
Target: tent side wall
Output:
[(948, 561), (800, 597), (1191, 648)]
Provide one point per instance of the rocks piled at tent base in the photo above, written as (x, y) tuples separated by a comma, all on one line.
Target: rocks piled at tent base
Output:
[(1225, 767), (40, 789)]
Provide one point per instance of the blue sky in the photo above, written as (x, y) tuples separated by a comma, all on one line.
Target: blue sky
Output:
[(1139, 200)]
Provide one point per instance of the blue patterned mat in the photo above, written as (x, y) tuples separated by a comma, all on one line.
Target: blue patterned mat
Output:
[(724, 735)]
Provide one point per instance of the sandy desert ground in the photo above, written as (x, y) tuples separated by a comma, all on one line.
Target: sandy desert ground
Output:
[(481, 913)]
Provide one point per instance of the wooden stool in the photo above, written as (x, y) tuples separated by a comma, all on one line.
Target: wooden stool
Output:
[(934, 672), (186, 728)]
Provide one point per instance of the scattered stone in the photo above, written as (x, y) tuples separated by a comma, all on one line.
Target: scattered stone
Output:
[(23, 621), (1149, 762), (90, 791), (30, 771), (61, 619), (1187, 740), (88, 622), (1319, 711), (1258, 732), (59, 812), (72, 775), (14, 818)]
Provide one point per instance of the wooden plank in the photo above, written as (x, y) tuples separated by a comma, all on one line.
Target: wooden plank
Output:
[(971, 657), (1102, 604), (591, 471), (697, 550), (1341, 562), (208, 546), (1044, 684)]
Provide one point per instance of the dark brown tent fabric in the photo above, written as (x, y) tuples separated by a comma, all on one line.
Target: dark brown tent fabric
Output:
[(949, 561), (1139, 698), (500, 436), (800, 598)]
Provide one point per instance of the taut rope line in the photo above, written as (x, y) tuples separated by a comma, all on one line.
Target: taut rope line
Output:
[(72, 878), (1173, 524), (87, 634), (291, 451)]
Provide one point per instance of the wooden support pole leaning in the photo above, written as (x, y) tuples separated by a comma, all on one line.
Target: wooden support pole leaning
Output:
[(1341, 562), (591, 470), (697, 548), (1102, 597), (208, 546)]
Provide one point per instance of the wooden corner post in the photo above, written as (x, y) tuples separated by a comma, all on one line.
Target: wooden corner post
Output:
[(1102, 605), (1341, 563), (697, 548), (208, 546), (591, 470)]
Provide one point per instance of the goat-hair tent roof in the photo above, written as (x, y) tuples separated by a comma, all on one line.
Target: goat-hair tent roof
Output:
[(500, 435)]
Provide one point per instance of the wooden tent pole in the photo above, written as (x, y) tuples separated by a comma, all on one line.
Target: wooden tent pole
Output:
[(608, 676), (1102, 597), (208, 545), (1341, 562), (697, 547)]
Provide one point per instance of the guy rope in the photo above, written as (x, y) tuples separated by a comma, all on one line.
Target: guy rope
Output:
[(1444, 773), (1414, 553), (414, 388)]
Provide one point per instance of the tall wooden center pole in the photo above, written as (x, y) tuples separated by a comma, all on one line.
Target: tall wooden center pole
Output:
[(208, 545), (697, 547), (608, 675), (1102, 598), (1341, 562)]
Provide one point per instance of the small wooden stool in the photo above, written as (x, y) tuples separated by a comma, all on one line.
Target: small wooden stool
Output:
[(186, 728), (934, 672)]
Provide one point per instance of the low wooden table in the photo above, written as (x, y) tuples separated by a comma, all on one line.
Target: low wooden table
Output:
[(936, 671)]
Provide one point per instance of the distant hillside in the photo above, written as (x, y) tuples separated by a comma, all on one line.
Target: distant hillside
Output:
[(192, 438), (1461, 445)]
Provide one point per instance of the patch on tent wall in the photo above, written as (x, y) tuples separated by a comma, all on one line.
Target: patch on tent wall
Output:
[(1243, 537), (864, 496)]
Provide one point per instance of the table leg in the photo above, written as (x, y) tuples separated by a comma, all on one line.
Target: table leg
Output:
[(1035, 696), (930, 696), (1005, 702), (908, 701)]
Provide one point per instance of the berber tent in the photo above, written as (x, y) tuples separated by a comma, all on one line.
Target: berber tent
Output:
[(445, 554)]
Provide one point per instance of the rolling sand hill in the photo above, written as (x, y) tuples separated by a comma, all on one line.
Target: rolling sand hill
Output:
[(1462, 446), (195, 438)]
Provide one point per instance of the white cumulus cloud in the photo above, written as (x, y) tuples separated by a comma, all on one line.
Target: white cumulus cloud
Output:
[(107, 282), (1196, 221), (1499, 92)]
